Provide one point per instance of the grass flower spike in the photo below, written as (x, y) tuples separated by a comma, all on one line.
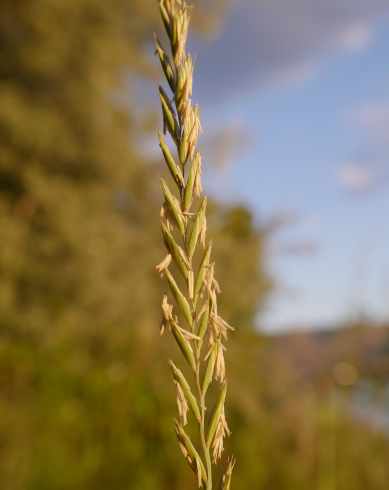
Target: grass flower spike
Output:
[(184, 229)]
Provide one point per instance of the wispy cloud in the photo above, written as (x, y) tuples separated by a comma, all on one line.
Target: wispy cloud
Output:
[(279, 42), (357, 36), (357, 177), (370, 169), (373, 121)]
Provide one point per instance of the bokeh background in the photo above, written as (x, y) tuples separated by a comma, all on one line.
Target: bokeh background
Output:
[(295, 159)]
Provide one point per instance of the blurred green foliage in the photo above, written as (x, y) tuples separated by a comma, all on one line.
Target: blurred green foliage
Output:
[(86, 398)]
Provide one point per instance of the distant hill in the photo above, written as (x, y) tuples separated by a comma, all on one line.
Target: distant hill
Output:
[(314, 354)]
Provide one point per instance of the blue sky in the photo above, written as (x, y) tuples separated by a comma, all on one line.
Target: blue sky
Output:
[(305, 86)]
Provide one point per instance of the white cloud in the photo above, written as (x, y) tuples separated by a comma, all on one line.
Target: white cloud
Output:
[(373, 122), (371, 116), (371, 168), (356, 177), (357, 36), (297, 74)]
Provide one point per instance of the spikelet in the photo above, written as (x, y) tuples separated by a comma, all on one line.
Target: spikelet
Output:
[(202, 233), (220, 434), (182, 446), (197, 183), (198, 472), (209, 282), (190, 452), (212, 297), (192, 126), (181, 21), (167, 217), (167, 310), (220, 367), (182, 404), (184, 86), (225, 480)]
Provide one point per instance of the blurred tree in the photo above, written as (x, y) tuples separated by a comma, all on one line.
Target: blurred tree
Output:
[(81, 406)]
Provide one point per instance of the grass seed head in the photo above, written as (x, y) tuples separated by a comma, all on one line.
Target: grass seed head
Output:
[(184, 125)]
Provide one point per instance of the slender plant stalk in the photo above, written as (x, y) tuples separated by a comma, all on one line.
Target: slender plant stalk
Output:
[(198, 304)]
